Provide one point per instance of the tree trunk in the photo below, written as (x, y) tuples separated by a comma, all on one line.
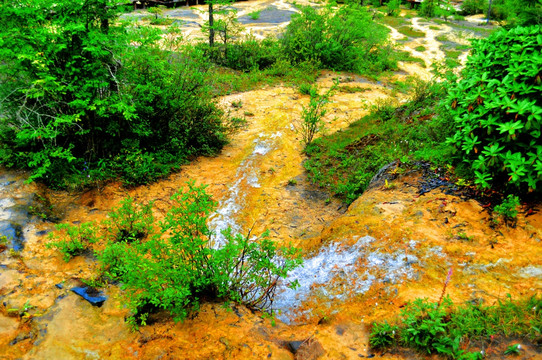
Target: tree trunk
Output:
[(211, 26)]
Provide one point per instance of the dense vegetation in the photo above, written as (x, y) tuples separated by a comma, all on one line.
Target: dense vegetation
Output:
[(89, 98), (86, 97), (511, 12), (173, 265), (497, 110), (460, 332)]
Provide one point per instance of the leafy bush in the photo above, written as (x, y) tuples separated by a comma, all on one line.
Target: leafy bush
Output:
[(312, 116), (129, 222), (473, 7), (497, 110), (341, 39), (179, 264), (508, 209), (78, 94), (73, 240)]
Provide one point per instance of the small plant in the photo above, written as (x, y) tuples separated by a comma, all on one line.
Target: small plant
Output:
[(292, 182), (305, 89), (313, 114), (513, 350), (383, 335), (255, 15), (237, 104), (508, 210), (420, 48), (129, 222), (73, 239)]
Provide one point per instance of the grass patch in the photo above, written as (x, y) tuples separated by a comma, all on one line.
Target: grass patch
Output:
[(393, 21), (224, 81), (410, 32), (420, 48), (460, 332), (406, 56), (344, 163), (352, 89), (442, 38), (451, 54), (255, 15), (452, 63), (433, 27), (463, 47)]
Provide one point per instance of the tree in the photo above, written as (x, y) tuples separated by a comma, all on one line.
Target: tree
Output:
[(77, 96)]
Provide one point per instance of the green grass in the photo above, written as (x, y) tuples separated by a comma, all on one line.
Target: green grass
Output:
[(420, 48), (406, 56), (410, 32), (223, 81), (433, 27), (343, 163), (351, 89), (455, 331), (393, 21), (451, 53), (255, 15)]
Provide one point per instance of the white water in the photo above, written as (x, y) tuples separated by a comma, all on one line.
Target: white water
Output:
[(344, 270), (229, 208)]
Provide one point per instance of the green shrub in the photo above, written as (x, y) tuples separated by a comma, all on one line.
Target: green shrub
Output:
[(473, 7), (341, 39), (129, 222), (78, 96), (497, 110), (312, 116), (73, 239), (178, 263), (508, 209)]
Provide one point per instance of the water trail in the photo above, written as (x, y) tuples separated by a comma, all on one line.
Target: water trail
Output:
[(247, 177), (345, 271)]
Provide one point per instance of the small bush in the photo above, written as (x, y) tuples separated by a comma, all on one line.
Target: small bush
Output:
[(129, 222), (508, 209), (73, 240), (341, 39), (312, 115), (179, 263)]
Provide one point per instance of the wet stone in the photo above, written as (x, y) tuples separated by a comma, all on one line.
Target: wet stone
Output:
[(94, 297), (294, 346)]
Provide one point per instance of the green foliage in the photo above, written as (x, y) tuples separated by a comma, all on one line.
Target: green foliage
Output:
[(77, 94), (497, 110), (383, 335), (513, 350), (511, 12), (255, 15), (174, 266), (73, 239), (454, 331), (129, 222), (509, 208), (345, 162), (312, 116), (393, 8), (341, 39)]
